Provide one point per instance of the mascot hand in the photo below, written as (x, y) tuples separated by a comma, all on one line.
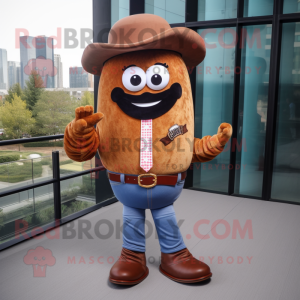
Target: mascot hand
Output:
[(81, 140), (85, 119), (207, 148), (224, 133)]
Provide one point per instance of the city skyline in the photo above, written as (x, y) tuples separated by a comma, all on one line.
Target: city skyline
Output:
[(14, 68), (58, 17)]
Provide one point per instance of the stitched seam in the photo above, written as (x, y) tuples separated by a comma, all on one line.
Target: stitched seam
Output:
[(148, 199)]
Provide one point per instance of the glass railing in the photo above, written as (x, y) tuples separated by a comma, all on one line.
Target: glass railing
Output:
[(28, 195)]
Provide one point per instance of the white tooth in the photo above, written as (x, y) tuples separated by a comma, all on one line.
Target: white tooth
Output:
[(146, 104)]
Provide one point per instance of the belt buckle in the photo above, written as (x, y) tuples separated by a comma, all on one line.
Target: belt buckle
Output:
[(147, 186)]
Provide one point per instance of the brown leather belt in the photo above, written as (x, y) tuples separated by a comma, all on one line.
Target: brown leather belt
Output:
[(148, 180)]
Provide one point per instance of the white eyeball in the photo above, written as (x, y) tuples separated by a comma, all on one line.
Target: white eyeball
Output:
[(134, 79), (158, 77)]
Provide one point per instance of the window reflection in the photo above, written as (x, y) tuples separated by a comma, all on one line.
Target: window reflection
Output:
[(214, 96), (291, 6), (216, 9), (119, 10), (286, 176), (253, 103), (253, 8), (171, 10)]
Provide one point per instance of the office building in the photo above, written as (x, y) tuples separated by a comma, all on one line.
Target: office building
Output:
[(79, 78), (3, 70), (59, 75), (14, 73), (31, 49)]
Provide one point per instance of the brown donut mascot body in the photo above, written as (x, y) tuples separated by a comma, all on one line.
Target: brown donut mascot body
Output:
[(145, 136)]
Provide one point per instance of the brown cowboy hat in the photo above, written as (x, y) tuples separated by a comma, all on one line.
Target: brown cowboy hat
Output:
[(144, 32)]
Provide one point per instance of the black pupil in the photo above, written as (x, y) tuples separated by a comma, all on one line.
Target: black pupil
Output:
[(136, 80), (156, 79)]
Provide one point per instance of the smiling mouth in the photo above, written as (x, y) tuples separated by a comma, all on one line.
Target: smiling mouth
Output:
[(146, 104)]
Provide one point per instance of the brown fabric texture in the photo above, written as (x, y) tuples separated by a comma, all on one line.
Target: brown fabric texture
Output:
[(209, 147), (117, 136), (144, 32), (120, 134), (81, 140)]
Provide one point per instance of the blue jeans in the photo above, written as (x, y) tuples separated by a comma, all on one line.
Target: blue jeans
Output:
[(159, 200)]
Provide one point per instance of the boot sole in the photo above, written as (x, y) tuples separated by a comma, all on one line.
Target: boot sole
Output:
[(125, 282), (184, 280)]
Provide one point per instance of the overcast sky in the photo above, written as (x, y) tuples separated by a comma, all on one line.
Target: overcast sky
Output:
[(44, 18)]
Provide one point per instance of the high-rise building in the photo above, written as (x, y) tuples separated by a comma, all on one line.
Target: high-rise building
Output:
[(3, 70), (41, 48), (79, 78), (14, 74), (58, 79)]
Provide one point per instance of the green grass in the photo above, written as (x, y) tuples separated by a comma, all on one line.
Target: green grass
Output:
[(66, 162), (25, 154), (12, 172)]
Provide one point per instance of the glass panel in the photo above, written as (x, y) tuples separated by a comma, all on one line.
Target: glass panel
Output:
[(214, 96), (69, 166), (25, 172), (119, 10), (291, 6), (32, 150), (253, 103), (254, 8), (286, 172), (78, 193), (171, 10), (84, 191), (216, 9), (27, 209)]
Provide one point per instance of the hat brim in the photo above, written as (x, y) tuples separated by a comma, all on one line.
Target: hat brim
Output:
[(185, 41)]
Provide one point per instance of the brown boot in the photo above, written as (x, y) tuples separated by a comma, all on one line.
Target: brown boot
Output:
[(182, 267), (130, 269)]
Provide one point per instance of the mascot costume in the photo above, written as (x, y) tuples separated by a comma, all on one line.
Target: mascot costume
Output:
[(145, 136)]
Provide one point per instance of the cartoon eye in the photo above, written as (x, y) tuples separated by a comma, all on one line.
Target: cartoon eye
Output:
[(43, 258), (134, 79), (36, 68), (35, 258), (45, 68), (158, 77)]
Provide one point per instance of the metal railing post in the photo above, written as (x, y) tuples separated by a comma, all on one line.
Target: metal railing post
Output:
[(56, 185)]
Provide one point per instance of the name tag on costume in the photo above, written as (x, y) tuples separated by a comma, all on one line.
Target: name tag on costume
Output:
[(174, 132)]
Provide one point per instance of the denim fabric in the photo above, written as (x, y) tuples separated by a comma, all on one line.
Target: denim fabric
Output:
[(133, 195), (169, 236), (159, 200)]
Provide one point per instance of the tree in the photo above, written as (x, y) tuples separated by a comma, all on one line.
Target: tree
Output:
[(14, 89), (87, 99), (33, 90), (16, 118), (53, 112)]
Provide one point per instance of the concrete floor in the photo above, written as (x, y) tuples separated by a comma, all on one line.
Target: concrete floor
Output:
[(263, 266)]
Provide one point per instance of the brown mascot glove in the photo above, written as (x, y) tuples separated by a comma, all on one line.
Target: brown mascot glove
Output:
[(209, 147), (81, 140)]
